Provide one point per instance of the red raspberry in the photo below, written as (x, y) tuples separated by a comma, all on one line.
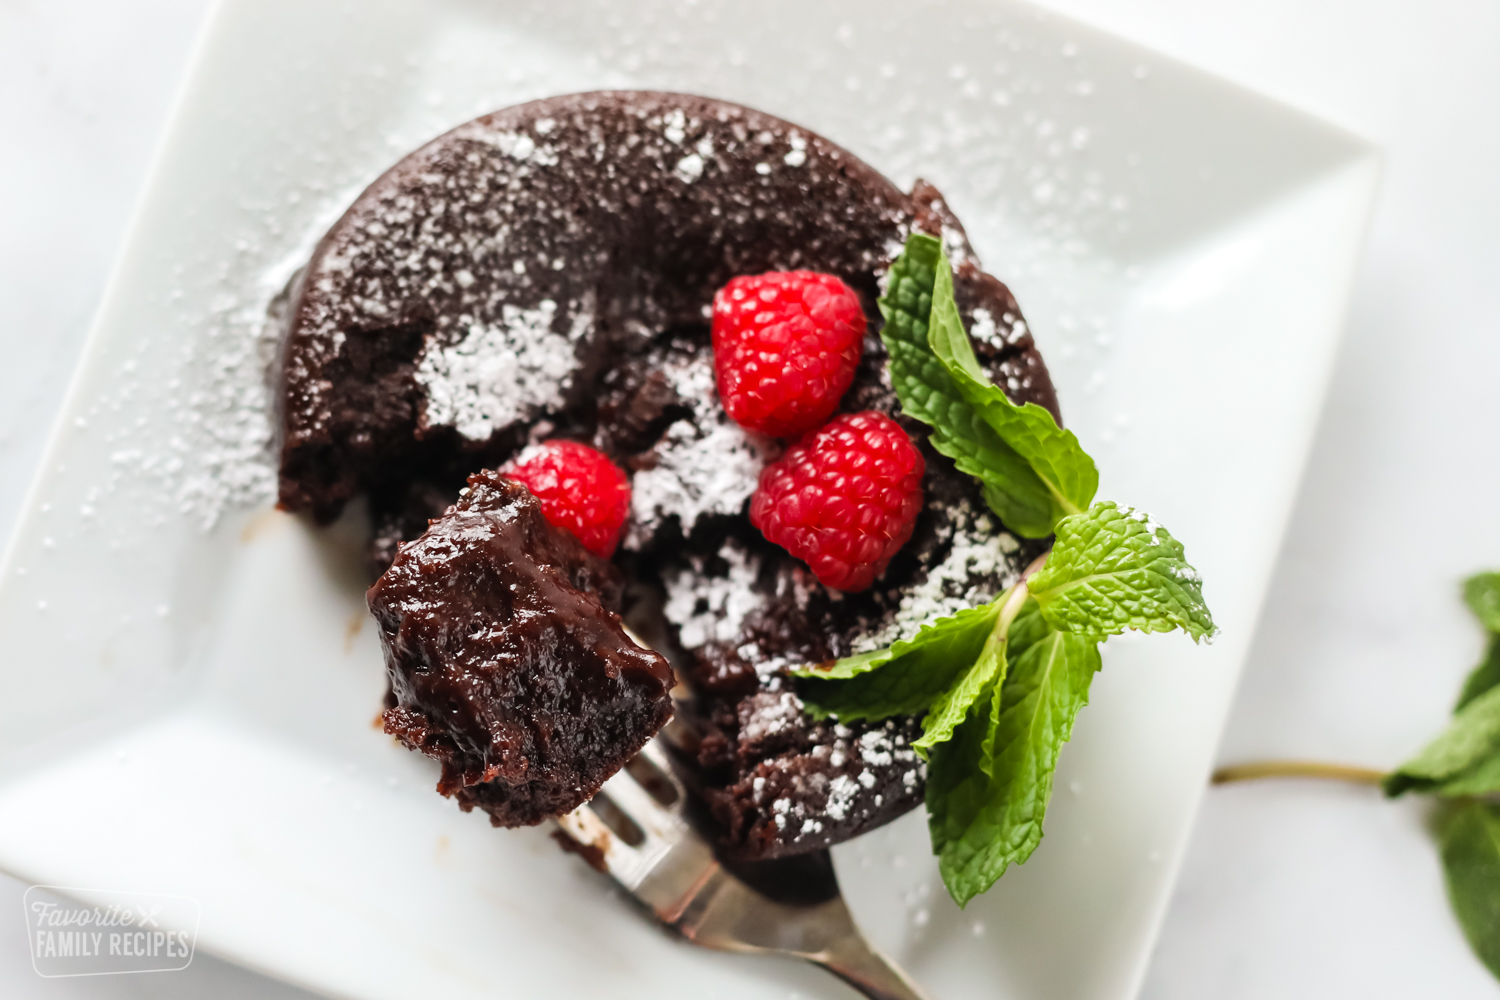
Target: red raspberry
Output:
[(843, 499), (581, 491), (785, 347)]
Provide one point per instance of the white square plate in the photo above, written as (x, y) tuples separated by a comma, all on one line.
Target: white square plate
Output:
[(189, 678)]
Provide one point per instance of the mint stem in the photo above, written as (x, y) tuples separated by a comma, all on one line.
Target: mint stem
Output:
[(1000, 634), (1036, 566), (1297, 769)]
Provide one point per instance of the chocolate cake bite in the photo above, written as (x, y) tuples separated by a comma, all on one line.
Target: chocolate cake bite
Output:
[(508, 661), (546, 272)]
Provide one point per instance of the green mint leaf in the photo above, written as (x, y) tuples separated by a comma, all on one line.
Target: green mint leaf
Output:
[(1472, 736), (1470, 843), (1054, 454), (1482, 677), (953, 705), (959, 788), (927, 393), (904, 678), (1482, 592), (988, 786), (1029, 628), (1113, 568), (1482, 778)]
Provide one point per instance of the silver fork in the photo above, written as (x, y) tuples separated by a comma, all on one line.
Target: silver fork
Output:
[(671, 870)]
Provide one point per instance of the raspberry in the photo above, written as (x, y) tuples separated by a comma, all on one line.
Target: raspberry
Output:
[(785, 347), (843, 499), (580, 490)]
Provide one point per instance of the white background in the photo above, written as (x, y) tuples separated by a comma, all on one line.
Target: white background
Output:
[(1289, 891)]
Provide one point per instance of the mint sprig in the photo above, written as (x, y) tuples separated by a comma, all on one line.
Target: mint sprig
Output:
[(928, 393), (1000, 686), (1462, 766), (1464, 762)]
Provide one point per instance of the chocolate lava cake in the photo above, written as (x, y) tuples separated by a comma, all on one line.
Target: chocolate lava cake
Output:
[(547, 271), (508, 661)]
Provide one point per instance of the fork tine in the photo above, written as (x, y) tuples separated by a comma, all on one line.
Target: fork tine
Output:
[(662, 827), (655, 820), (657, 755), (678, 735), (661, 779), (601, 846)]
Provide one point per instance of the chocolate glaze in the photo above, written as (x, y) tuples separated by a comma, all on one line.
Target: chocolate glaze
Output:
[(586, 235), (507, 660)]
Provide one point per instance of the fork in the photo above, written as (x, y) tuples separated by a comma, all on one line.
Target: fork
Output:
[(636, 831)]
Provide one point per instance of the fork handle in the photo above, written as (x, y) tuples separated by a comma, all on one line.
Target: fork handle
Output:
[(867, 970)]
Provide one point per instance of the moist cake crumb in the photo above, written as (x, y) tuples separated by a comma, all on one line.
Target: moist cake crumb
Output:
[(507, 661)]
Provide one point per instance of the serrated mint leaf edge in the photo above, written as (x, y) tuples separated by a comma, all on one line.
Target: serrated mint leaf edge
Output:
[(952, 707), (969, 872), (1012, 488), (1054, 455), (1186, 610), (860, 663)]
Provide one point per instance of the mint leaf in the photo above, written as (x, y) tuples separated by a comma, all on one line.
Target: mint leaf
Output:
[(1482, 778), (904, 678), (965, 805), (950, 709), (1482, 677), (1054, 454), (1482, 593), (988, 786), (1472, 736), (953, 705), (1113, 568), (927, 393), (1470, 843)]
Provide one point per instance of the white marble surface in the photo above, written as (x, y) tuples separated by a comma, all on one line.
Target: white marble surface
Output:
[(1288, 890)]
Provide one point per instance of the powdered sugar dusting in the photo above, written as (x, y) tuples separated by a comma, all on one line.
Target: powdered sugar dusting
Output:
[(841, 792), (701, 471), (774, 713), (517, 145), (713, 608), (210, 449), (504, 372), (850, 790), (706, 465), (974, 571), (998, 334)]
